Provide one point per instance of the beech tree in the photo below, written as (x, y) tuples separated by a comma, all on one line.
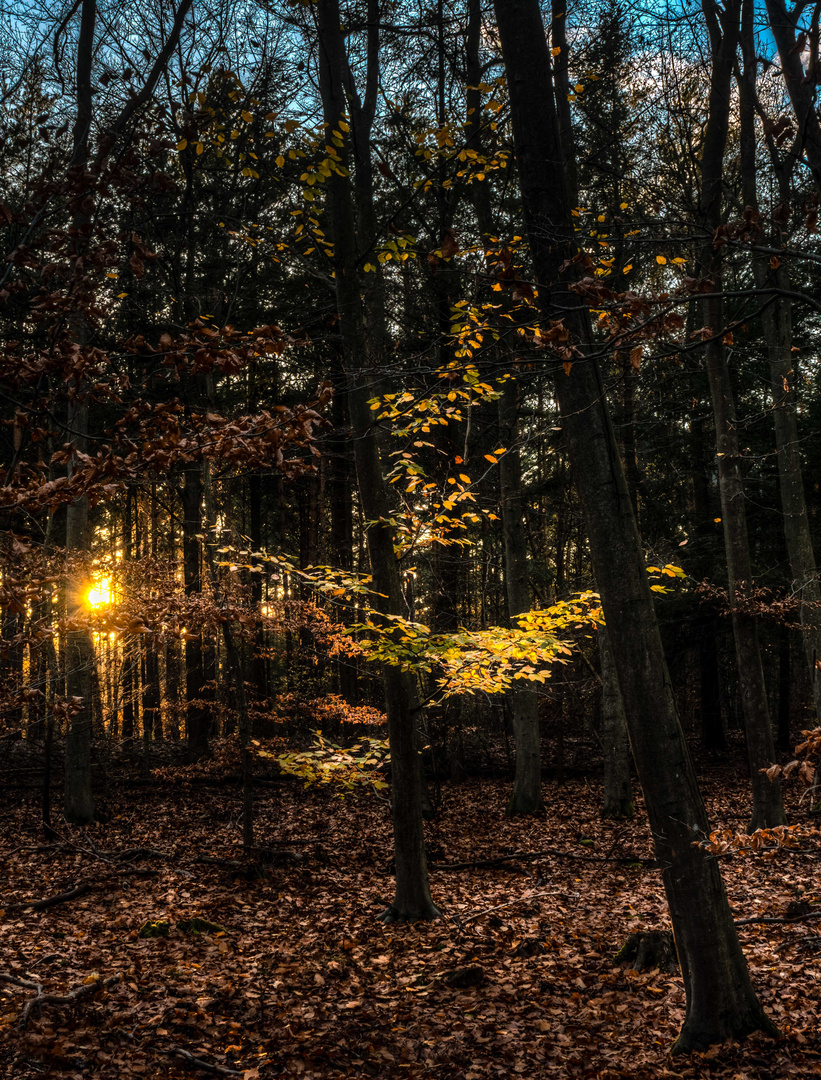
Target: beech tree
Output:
[(721, 1001)]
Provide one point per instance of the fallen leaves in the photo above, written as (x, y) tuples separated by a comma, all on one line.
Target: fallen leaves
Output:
[(311, 984)]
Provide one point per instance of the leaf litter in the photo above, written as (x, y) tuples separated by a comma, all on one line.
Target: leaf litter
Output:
[(280, 967)]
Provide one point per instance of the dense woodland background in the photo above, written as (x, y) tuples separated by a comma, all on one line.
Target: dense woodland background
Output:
[(268, 297)]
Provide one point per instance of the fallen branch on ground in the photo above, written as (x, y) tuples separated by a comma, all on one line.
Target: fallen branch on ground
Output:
[(53, 901), (198, 1063), (773, 919), (481, 864), (72, 997)]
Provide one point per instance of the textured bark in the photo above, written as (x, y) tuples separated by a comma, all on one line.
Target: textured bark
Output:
[(768, 809), (412, 898), (618, 793), (526, 797), (721, 1002)]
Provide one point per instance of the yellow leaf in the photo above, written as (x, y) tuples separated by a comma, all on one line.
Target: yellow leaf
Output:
[(716, 520), (200, 148), (623, 206), (578, 88), (661, 260), (556, 50), (246, 116), (280, 161), (463, 477), (290, 125), (120, 295), (181, 145), (627, 269), (679, 261), (491, 458)]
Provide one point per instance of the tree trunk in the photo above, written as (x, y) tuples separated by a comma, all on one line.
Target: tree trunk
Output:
[(768, 809), (526, 797), (78, 801), (776, 319), (800, 85), (197, 718), (412, 898), (618, 794), (721, 1001)]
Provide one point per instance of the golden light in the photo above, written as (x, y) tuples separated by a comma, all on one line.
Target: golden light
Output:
[(99, 594)]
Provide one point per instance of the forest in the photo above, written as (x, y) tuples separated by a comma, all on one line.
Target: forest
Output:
[(410, 626)]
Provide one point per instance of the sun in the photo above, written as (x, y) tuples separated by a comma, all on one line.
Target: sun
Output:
[(99, 594)]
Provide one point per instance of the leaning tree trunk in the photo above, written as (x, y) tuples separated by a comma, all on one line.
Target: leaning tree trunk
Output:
[(412, 899), (768, 809), (618, 793), (526, 797), (721, 1001)]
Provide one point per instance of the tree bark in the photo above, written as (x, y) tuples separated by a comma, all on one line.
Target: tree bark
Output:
[(618, 793), (197, 718), (768, 809), (801, 86), (526, 797), (776, 321), (412, 900), (721, 1001)]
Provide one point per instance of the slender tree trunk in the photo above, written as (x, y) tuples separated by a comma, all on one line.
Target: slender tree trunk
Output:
[(79, 801), (801, 85), (618, 793), (197, 718), (701, 555), (526, 797), (260, 663), (768, 809), (78, 798), (412, 898), (721, 1001), (776, 320), (238, 676)]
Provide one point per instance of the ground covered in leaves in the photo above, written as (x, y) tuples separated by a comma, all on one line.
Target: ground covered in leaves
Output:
[(293, 975)]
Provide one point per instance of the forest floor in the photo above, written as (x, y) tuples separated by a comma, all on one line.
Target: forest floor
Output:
[(305, 981)]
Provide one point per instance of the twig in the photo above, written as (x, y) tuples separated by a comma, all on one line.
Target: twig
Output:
[(140, 853), (511, 903), (198, 1063), (59, 898), (773, 919), (484, 863), (40, 999), (17, 981)]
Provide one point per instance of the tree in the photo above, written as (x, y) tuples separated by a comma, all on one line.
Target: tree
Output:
[(721, 1002), (768, 809), (412, 900)]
